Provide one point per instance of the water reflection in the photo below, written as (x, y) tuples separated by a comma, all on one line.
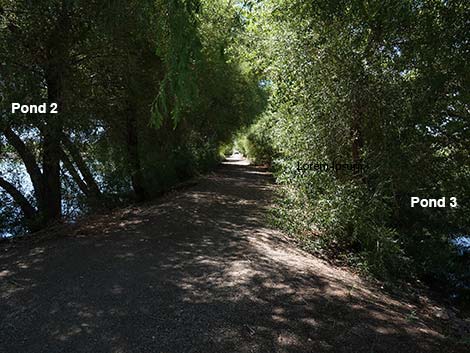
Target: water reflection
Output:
[(463, 244), (15, 172)]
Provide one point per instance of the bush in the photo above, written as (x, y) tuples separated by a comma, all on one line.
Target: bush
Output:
[(256, 143)]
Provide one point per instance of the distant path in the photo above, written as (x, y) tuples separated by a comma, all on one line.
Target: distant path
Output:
[(198, 271)]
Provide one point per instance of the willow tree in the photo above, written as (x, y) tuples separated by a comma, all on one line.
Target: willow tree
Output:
[(147, 91), (43, 47)]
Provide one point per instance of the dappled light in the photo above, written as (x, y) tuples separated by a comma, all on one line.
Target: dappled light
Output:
[(218, 176), (199, 271)]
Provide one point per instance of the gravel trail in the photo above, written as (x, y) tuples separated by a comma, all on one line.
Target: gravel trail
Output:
[(197, 271)]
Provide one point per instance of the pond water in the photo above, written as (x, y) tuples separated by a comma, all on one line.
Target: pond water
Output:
[(16, 174), (462, 243)]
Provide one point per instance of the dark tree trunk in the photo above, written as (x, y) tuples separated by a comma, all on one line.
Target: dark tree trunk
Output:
[(74, 174), (30, 163), (137, 178), (51, 167), (51, 150), (92, 186), (58, 59), (28, 210)]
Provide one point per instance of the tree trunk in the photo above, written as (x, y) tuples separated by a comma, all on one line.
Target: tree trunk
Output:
[(137, 178), (51, 167), (93, 188), (28, 210), (74, 174), (51, 151), (30, 163), (58, 60)]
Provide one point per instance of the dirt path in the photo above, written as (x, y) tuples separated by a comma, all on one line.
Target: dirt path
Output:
[(198, 272)]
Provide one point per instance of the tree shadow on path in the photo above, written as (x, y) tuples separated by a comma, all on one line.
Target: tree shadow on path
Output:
[(199, 271)]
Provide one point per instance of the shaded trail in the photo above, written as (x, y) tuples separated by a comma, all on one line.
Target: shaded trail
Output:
[(198, 272)]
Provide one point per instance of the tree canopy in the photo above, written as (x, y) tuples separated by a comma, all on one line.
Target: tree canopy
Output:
[(147, 91)]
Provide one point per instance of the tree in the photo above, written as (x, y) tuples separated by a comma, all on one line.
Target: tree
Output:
[(376, 83), (41, 52), (147, 91)]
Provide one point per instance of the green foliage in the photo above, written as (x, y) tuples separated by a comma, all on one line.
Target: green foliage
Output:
[(180, 54), (378, 83), (226, 150), (147, 90), (256, 143)]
